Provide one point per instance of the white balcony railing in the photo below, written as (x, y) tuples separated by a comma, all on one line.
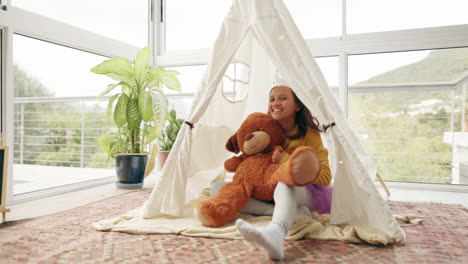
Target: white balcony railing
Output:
[(64, 131)]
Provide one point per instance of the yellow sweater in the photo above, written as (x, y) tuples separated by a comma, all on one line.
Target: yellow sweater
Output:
[(312, 139)]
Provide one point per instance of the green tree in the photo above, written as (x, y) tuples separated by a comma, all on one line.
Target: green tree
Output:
[(28, 86), (52, 130)]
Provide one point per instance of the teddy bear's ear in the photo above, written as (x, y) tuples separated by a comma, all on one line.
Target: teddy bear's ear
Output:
[(231, 144)]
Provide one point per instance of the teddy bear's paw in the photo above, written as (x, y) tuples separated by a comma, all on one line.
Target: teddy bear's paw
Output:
[(305, 165), (202, 218)]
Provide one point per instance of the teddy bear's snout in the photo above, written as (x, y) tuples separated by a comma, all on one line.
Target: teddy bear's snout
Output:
[(256, 142)]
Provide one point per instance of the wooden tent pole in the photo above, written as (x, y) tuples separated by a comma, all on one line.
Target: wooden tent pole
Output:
[(3, 175), (383, 184), (4, 211)]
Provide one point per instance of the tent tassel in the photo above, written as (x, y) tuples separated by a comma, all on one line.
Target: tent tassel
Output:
[(326, 127), (189, 124)]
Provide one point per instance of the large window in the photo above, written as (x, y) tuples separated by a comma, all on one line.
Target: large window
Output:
[(187, 29), (316, 19), (330, 67), (118, 19), (57, 116), (383, 15), (194, 24), (53, 115), (407, 109), (404, 92)]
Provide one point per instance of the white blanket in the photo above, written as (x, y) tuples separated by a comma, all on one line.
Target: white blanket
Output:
[(315, 227)]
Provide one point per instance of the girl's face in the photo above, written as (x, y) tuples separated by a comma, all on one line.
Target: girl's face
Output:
[(282, 105)]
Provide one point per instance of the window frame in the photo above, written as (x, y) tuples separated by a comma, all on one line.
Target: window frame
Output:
[(18, 21)]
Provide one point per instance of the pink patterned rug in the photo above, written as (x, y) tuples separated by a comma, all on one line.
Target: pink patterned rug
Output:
[(68, 237)]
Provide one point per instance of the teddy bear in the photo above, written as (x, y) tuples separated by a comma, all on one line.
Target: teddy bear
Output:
[(255, 175)]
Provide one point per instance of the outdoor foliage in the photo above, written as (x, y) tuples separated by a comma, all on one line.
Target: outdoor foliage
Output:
[(52, 131), (169, 134), (404, 139), (405, 147)]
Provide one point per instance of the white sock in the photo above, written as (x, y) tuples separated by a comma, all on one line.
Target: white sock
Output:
[(270, 238)]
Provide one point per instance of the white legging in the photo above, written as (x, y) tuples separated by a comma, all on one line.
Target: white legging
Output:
[(286, 198)]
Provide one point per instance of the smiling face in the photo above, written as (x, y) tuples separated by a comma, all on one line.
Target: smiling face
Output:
[(282, 105)]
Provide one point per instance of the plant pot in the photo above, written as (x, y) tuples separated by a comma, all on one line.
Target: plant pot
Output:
[(161, 159), (130, 169)]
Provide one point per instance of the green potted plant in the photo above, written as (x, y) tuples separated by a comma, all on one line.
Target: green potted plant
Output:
[(167, 137), (139, 113)]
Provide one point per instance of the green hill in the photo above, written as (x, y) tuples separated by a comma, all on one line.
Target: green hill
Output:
[(438, 66)]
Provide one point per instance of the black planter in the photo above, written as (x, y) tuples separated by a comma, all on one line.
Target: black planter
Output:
[(130, 169)]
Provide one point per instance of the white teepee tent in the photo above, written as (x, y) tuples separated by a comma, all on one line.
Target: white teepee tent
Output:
[(261, 36)]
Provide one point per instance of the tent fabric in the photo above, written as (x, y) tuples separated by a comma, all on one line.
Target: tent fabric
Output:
[(262, 35)]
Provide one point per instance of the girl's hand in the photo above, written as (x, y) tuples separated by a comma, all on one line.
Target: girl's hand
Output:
[(278, 154)]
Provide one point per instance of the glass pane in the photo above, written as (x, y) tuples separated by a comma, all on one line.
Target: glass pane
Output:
[(189, 25), (316, 19), (55, 125), (190, 78), (330, 69), (406, 108), (383, 15), (181, 104), (118, 19)]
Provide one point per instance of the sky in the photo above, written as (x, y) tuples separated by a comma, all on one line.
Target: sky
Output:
[(66, 71)]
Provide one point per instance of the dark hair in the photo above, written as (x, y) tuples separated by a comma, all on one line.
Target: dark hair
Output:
[(303, 118)]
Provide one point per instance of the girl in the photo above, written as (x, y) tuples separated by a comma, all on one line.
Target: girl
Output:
[(302, 130)]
